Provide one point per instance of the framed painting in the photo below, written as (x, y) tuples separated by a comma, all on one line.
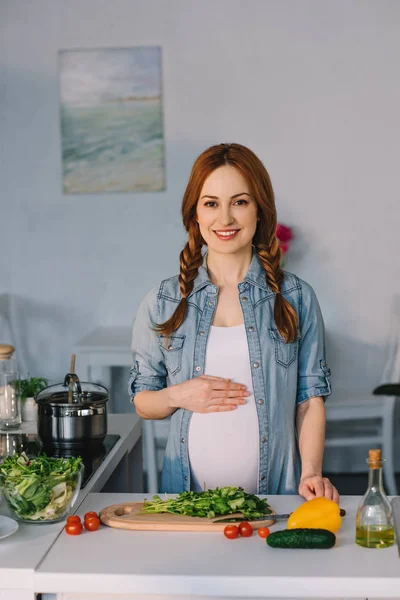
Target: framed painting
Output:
[(111, 120)]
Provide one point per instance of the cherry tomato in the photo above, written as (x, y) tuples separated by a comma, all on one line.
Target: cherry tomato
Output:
[(245, 529), (231, 532), (73, 519), (92, 523), (90, 514), (263, 532), (74, 528)]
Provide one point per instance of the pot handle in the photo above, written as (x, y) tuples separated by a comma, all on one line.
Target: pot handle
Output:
[(73, 377)]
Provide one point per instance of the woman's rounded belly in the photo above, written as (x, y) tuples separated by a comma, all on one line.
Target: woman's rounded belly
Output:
[(224, 448)]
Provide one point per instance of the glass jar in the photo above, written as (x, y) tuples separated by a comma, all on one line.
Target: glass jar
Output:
[(10, 389)]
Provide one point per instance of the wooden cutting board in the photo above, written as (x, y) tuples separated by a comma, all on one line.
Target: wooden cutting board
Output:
[(127, 516)]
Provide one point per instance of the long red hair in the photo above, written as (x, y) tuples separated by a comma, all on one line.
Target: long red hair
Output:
[(264, 240)]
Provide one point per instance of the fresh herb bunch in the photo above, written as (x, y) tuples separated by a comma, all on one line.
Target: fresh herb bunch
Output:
[(210, 503), (32, 386), (40, 488)]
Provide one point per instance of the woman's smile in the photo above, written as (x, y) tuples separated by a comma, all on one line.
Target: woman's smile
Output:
[(226, 234)]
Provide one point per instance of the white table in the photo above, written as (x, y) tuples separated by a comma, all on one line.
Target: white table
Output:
[(21, 553), (113, 564)]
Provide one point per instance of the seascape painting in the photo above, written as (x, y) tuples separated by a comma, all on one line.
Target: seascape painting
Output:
[(111, 120)]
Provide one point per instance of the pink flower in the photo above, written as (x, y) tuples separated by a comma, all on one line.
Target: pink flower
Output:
[(284, 246), (284, 234)]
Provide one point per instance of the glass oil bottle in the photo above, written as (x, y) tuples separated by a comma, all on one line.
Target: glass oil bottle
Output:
[(374, 521)]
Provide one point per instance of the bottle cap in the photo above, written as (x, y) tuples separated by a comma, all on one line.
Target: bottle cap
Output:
[(6, 351), (375, 458), (375, 454)]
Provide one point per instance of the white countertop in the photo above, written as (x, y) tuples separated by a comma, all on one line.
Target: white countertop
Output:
[(21, 553), (207, 564)]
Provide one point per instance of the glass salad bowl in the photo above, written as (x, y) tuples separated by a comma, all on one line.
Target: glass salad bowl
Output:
[(40, 489)]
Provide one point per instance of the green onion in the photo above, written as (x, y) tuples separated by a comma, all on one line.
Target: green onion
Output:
[(210, 503)]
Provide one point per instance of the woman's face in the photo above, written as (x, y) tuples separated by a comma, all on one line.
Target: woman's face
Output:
[(227, 212)]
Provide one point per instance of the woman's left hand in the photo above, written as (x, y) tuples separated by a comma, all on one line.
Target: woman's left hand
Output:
[(315, 486)]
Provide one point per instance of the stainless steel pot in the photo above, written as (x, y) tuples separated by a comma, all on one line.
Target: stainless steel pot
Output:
[(72, 413)]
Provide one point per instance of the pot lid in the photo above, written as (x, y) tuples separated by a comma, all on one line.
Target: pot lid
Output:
[(73, 391)]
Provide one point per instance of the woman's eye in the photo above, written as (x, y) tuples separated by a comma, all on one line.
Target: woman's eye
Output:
[(241, 202), (210, 203)]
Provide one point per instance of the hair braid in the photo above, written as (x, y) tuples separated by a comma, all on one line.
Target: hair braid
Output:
[(191, 259), (284, 314)]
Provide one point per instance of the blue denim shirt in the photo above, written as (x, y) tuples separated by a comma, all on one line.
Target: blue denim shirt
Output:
[(284, 375)]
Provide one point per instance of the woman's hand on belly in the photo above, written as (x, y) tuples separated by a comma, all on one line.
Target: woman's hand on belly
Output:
[(206, 394)]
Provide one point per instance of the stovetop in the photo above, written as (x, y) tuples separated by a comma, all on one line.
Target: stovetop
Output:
[(92, 454)]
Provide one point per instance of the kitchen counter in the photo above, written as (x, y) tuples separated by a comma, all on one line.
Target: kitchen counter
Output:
[(121, 469), (111, 563)]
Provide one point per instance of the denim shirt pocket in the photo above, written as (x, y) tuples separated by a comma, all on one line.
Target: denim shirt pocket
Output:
[(172, 349), (285, 353)]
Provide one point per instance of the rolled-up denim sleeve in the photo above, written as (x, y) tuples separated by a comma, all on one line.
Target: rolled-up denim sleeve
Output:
[(313, 372), (148, 370)]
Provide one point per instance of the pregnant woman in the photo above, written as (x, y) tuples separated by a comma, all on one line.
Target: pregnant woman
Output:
[(233, 347)]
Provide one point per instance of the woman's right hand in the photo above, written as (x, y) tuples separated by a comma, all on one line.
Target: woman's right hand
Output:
[(206, 394)]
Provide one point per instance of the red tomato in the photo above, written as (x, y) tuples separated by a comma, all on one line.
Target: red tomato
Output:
[(263, 532), (74, 528), (91, 514), (92, 523), (73, 519), (245, 529), (231, 532)]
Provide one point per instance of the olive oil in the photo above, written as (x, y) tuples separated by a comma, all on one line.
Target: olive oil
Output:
[(374, 521), (375, 536)]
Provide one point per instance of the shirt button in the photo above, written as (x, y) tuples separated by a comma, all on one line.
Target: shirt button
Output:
[(245, 298), (211, 304), (256, 365), (261, 401), (186, 478), (262, 477), (198, 368), (202, 333), (170, 347), (263, 440), (251, 328), (183, 440)]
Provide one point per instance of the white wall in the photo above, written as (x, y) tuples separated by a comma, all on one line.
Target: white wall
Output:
[(311, 86)]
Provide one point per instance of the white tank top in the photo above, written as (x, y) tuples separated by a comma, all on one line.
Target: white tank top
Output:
[(224, 446)]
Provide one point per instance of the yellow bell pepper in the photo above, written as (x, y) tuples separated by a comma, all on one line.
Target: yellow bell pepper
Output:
[(318, 513)]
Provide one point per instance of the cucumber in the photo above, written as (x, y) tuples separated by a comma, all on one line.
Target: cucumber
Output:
[(302, 538)]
